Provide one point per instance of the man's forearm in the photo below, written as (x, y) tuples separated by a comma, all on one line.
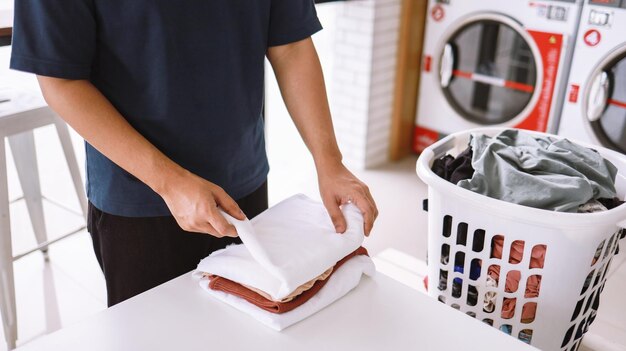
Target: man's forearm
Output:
[(88, 112), (299, 74)]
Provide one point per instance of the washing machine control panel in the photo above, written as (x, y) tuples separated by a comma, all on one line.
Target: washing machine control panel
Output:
[(600, 18), (558, 13)]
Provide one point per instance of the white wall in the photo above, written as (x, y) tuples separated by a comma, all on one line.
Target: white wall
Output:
[(363, 79)]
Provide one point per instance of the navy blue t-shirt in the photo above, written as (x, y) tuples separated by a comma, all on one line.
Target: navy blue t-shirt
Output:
[(188, 75)]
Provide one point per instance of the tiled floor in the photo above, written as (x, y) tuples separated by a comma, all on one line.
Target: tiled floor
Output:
[(70, 287)]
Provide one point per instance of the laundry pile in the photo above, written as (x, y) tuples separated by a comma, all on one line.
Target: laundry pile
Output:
[(540, 172), (291, 264), (545, 173)]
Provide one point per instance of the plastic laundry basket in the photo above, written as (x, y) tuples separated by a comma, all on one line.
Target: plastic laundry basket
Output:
[(578, 252)]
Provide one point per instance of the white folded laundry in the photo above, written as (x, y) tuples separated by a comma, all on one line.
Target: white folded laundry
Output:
[(344, 279), (286, 246)]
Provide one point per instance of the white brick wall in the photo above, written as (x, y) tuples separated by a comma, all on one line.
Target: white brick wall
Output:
[(363, 79)]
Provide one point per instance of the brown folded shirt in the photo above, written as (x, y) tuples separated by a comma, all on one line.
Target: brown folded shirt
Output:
[(230, 287), (302, 288)]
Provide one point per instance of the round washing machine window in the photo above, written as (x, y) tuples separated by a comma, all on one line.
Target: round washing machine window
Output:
[(488, 70), (605, 101)]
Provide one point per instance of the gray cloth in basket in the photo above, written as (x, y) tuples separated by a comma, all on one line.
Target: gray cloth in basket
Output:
[(544, 173)]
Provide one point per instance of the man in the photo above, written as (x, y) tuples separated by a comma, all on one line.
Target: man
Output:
[(168, 96)]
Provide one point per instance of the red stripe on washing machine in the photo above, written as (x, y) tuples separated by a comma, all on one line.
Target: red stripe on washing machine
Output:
[(462, 74), (519, 86), (494, 81), (617, 103)]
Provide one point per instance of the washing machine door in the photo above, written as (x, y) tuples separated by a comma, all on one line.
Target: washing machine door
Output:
[(489, 69), (605, 101)]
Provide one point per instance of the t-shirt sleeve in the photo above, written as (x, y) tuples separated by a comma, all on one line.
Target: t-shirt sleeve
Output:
[(54, 38), (291, 21)]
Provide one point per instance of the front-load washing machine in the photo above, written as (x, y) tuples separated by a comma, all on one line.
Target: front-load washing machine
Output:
[(494, 63), (595, 106)]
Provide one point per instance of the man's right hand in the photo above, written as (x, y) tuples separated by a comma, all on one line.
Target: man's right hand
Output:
[(195, 203)]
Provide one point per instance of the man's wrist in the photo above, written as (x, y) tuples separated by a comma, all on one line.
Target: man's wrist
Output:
[(168, 174), (329, 164)]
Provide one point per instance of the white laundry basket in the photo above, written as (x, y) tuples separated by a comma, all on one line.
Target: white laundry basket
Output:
[(578, 249)]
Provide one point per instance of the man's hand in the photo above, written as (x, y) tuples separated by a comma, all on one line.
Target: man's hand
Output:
[(338, 187), (195, 203)]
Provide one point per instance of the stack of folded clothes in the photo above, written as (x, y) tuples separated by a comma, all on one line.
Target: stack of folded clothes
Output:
[(291, 263)]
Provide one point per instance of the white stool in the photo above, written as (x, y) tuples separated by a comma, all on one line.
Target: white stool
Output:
[(18, 118)]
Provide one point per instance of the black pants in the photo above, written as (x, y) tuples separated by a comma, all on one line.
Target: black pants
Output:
[(139, 253)]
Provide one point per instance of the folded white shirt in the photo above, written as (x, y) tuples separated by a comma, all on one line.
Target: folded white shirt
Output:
[(344, 279), (286, 246)]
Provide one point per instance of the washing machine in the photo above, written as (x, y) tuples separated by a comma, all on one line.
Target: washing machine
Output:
[(595, 106), (494, 63)]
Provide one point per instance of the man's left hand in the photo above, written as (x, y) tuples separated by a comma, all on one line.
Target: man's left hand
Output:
[(338, 187)]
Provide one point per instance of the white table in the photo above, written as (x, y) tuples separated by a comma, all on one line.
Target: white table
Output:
[(380, 314)]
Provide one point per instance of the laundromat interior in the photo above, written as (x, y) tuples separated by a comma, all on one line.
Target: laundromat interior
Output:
[(330, 174)]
